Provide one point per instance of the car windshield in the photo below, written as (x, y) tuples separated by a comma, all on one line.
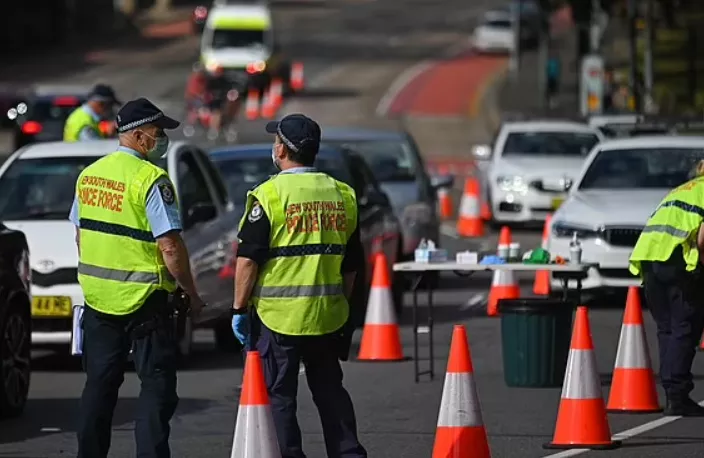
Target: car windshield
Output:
[(390, 160), (662, 168), (47, 110), (226, 38), (242, 174), (34, 189), (549, 143), (499, 24)]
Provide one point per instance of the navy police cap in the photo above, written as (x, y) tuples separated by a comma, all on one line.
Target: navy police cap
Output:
[(139, 112), (298, 132)]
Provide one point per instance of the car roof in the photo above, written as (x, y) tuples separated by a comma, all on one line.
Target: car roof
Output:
[(259, 150), (653, 141), (548, 125), (75, 149), (241, 13), (354, 133)]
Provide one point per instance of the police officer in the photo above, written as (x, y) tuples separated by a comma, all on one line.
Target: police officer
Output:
[(297, 258), (131, 256), (83, 123), (667, 257)]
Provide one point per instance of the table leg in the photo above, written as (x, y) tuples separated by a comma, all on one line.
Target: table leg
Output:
[(415, 327), (430, 331)]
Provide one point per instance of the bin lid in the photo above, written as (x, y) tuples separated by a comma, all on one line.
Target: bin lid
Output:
[(534, 305)]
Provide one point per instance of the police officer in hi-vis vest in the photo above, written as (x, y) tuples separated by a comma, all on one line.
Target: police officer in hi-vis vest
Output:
[(296, 262), (668, 257), (84, 123), (131, 256)]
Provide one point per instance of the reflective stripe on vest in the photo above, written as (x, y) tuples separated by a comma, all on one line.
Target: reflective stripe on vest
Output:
[(674, 223), (300, 289), (120, 263), (76, 122)]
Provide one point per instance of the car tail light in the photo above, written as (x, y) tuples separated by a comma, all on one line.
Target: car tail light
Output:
[(66, 102), (104, 127), (230, 267), (200, 12), (256, 67), (31, 128)]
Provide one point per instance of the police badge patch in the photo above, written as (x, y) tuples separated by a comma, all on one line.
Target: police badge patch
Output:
[(167, 193), (256, 213)]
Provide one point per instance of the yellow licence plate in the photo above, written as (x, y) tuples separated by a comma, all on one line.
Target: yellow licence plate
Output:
[(51, 306), (557, 202)]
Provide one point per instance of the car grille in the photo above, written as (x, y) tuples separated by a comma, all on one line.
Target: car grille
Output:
[(549, 188), (236, 75), (65, 276), (622, 236)]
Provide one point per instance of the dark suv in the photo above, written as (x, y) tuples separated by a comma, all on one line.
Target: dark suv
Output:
[(15, 322)]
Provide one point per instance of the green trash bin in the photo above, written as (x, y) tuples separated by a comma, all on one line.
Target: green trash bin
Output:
[(535, 336)]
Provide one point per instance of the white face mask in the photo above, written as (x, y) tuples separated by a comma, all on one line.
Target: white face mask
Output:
[(273, 157)]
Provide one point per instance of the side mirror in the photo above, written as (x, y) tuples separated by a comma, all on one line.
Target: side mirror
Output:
[(374, 198), (481, 152), (200, 213), (442, 181)]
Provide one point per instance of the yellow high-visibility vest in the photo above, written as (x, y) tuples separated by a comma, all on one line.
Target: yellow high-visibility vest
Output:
[(76, 122)]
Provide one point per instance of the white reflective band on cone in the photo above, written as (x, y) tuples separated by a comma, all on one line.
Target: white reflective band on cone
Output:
[(503, 278), (255, 421), (459, 407), (380, 307), (581, 377), (469, 206), (633, 350)]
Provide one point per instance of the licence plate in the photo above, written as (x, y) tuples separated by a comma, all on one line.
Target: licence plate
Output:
[(557, 202), (51, 306)]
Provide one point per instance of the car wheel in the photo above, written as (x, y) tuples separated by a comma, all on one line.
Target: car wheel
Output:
[(15, 348), (225, 340)]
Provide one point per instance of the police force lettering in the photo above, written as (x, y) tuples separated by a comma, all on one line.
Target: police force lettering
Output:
[(101, 192), (316, 216)]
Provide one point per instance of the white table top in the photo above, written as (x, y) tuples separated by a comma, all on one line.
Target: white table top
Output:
[(411, 266)]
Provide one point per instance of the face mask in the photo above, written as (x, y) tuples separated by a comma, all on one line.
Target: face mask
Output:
[(161, 144), (273, 156)]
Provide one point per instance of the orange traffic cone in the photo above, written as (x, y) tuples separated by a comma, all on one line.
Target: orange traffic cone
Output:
[(268, 107), (276, 93), (633, 385), (541, 285), (255, 435), (297, 82), (381, 337), (445, 203), (503, 284), (581, 419), (485, 211), (470, 223), (460, 430), (701, 344), (252, 105)]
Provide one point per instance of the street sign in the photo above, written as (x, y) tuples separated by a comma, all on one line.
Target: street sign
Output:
[(591, 85)]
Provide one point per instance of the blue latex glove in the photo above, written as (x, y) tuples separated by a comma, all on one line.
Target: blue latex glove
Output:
[(240, 327)]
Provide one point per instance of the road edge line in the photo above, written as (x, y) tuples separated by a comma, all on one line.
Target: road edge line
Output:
[(399, 84), (484, 89), (624, 435)]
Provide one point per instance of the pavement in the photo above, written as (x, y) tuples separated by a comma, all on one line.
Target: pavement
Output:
[(357, 53)]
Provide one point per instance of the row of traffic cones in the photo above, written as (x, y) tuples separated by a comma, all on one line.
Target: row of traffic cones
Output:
[(266, 105), (581, 419)]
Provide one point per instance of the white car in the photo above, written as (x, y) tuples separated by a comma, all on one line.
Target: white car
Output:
[(37, 187), (495, 33), (531, 165), (621, 184)]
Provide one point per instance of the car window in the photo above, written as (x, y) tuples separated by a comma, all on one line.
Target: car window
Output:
[(56, 109), (390, 160), (662, 168), (362, 176), (220, 188), (40, 189), (226, 38), (193, 188), (498, 23), (549, 143)]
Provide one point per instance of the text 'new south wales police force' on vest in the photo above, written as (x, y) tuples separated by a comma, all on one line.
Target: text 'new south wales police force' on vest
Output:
[(101, 192), (315, 216)]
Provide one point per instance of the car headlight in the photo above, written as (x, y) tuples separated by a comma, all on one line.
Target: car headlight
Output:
[(512, 184), (563, 229), (211, 65)]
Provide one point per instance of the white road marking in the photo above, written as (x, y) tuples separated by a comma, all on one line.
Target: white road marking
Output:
[(302, 370), (624, 435), (50, 430)]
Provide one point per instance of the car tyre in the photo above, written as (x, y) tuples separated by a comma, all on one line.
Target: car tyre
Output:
[(15, 348), (185, 345), (225, 340)]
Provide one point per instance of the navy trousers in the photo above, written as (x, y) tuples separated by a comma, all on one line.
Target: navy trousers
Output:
[(676, 301), (282, 355), (107, 340)]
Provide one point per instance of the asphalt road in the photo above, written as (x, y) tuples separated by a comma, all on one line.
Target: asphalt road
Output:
[(363, 44)]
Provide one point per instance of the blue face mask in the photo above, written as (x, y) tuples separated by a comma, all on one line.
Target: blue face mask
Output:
[(161, 145)]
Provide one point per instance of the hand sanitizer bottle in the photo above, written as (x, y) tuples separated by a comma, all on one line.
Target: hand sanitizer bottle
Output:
[(575, 250)]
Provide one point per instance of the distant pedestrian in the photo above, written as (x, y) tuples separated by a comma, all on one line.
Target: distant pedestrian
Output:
[(552, 71), (84, 123)]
